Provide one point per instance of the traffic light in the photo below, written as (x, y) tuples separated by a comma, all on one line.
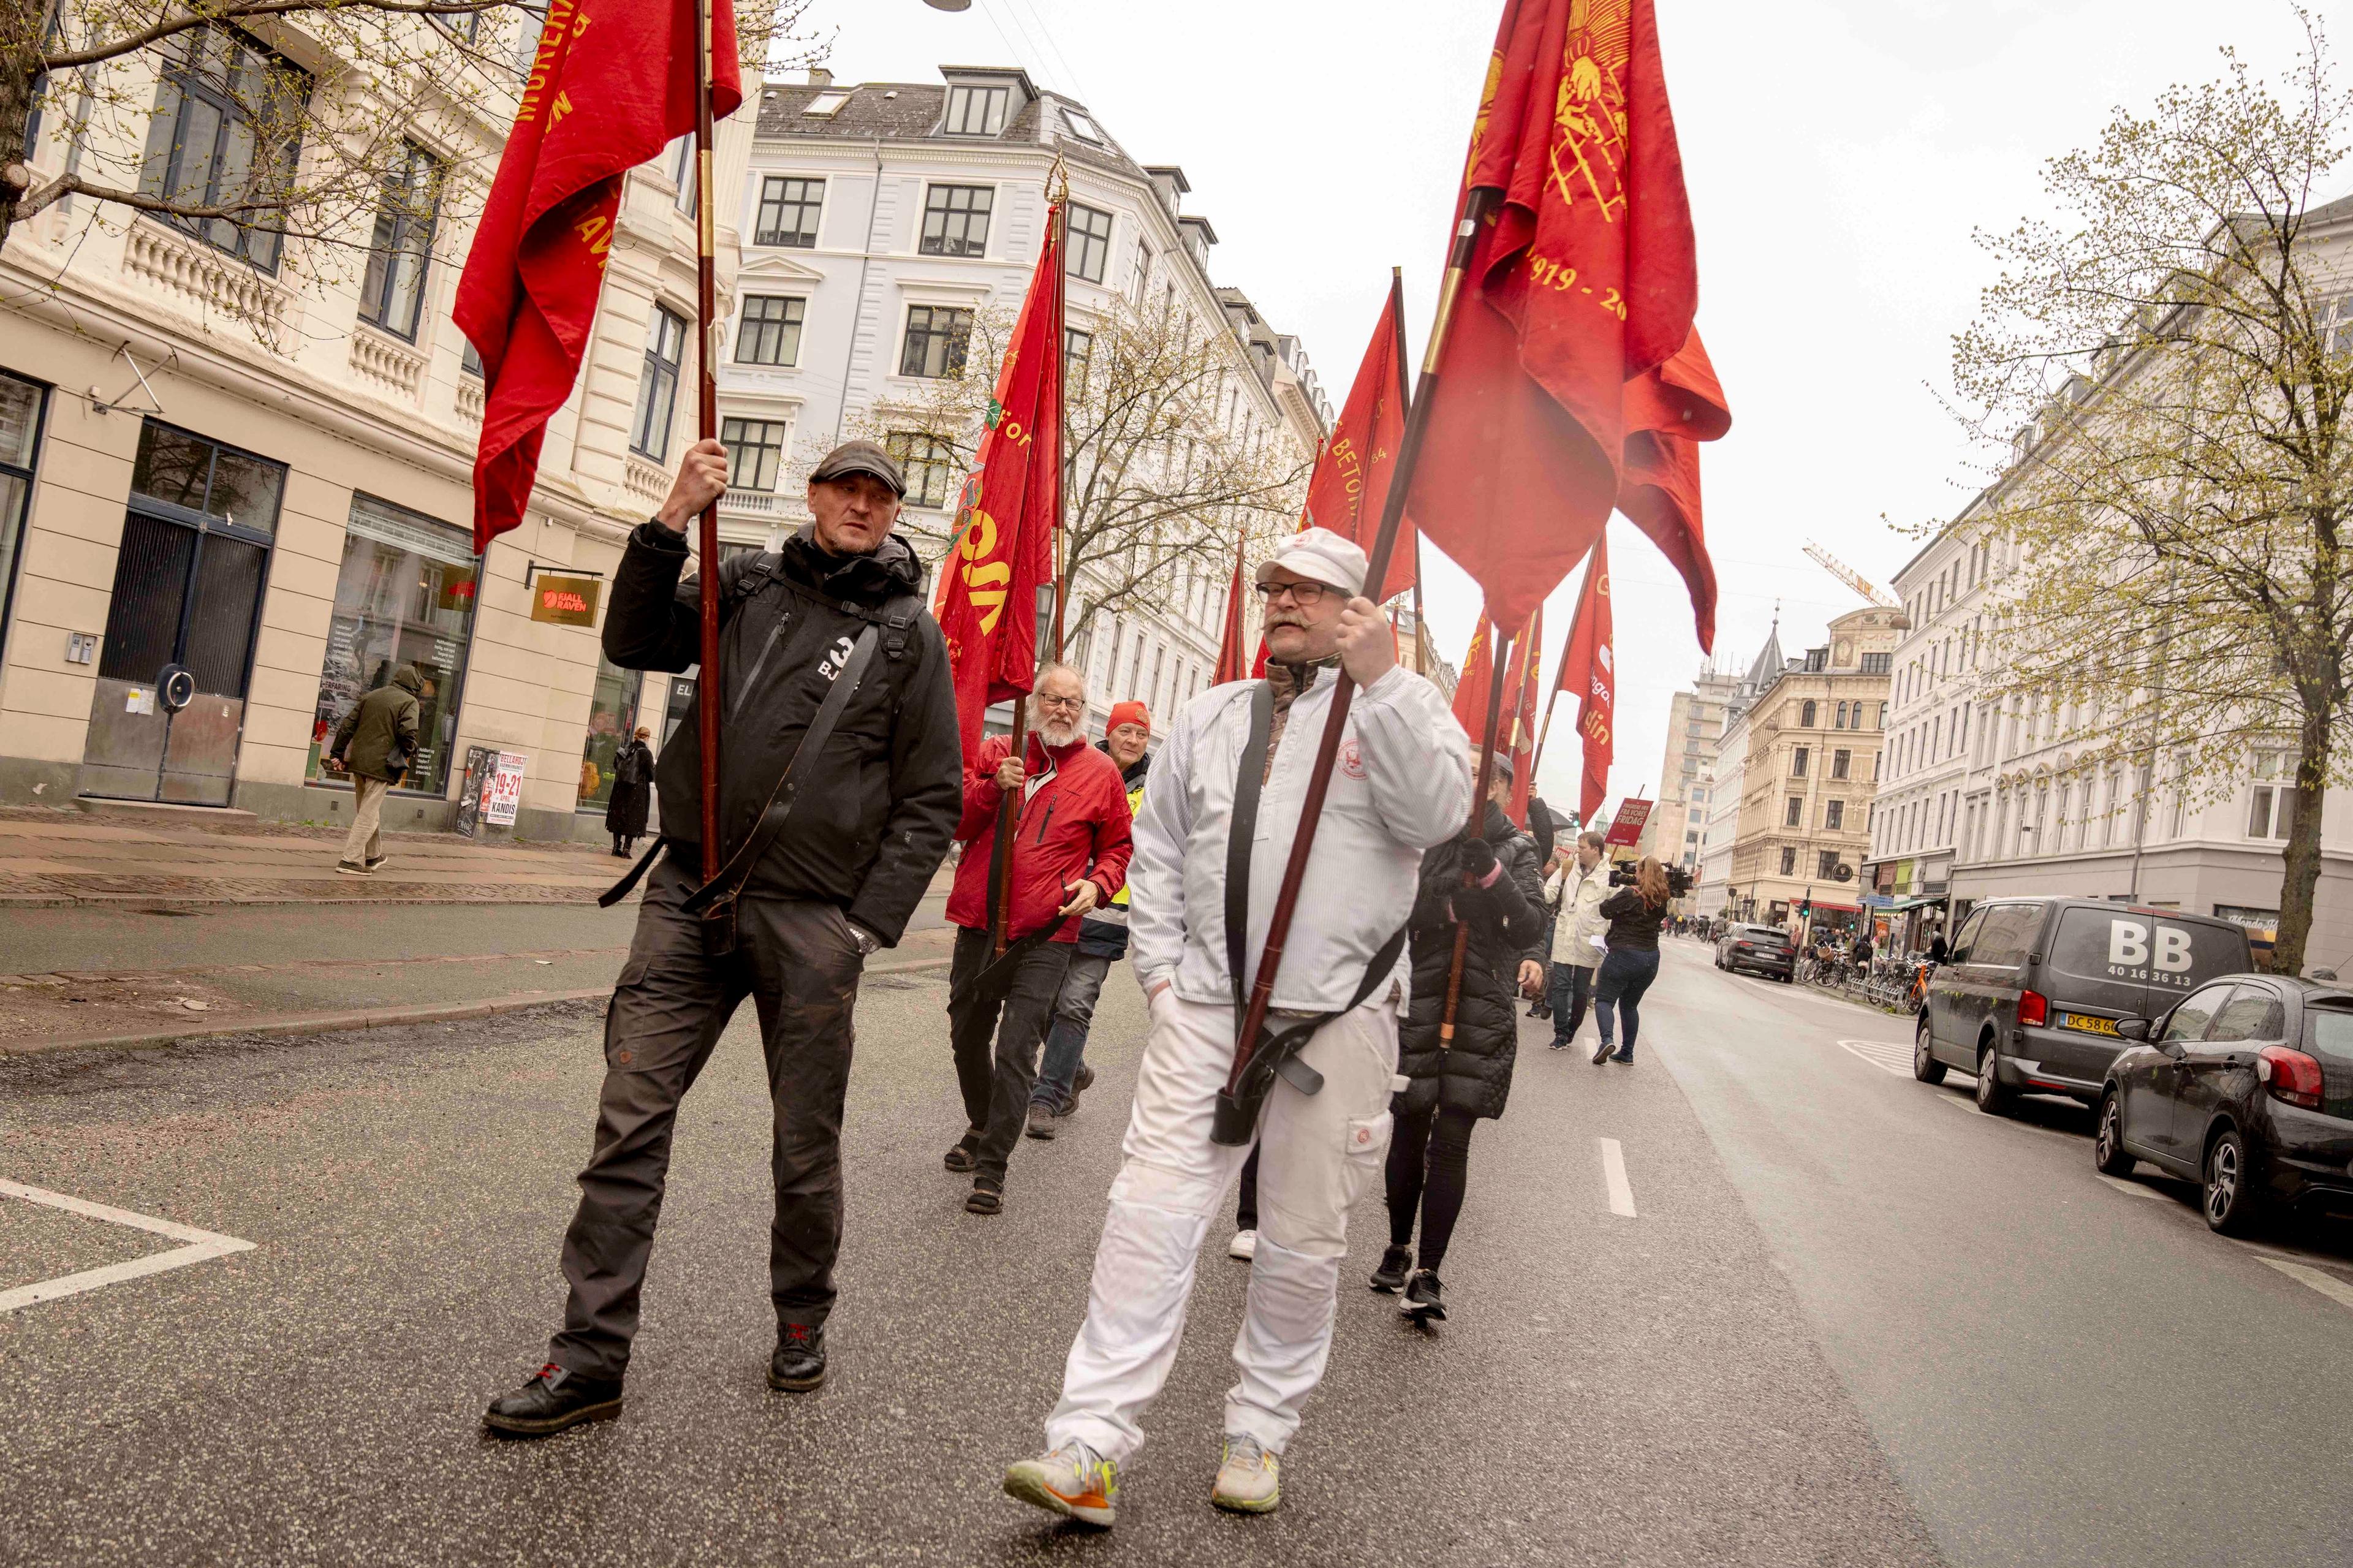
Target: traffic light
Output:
[(1805, 910)]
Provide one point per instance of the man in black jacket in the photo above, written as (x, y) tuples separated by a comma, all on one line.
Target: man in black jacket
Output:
[(870, 813)]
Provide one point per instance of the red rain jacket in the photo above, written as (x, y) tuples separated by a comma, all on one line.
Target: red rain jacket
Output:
[(1074, 824)]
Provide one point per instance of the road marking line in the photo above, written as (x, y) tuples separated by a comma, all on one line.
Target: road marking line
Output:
[(2124, 1185), (1888, 1055), (1613, 1171), (200, 1247), (2329, 1285)]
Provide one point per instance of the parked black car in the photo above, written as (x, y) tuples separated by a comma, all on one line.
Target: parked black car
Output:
[(1760, 950), (2245, 1086), (2035, 988)]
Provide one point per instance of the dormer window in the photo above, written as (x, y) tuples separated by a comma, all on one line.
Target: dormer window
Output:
[(975, 110), (825, 105), (1081, 127)]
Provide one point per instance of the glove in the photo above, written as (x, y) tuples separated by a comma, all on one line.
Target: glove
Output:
[(1478, 858)]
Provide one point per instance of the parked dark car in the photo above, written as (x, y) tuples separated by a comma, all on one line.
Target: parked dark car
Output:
[(2035, 988), (1759, 950), (2244, 1086)]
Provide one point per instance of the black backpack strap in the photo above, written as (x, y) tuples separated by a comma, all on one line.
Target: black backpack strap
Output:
[(1249, 782), (896, 619)]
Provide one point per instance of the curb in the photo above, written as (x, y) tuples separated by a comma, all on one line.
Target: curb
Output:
[(364, 1018)]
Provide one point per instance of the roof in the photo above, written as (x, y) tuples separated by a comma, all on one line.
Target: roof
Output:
[(909, 111), (1767, 668)]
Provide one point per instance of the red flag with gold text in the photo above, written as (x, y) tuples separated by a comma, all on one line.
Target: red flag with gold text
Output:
[(1523, 695), (1588, 672), (1351, 482), (607, 90), (1004, 550)]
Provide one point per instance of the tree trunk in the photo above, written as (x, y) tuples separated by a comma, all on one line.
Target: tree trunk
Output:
[(18, 73), (2301, 881)]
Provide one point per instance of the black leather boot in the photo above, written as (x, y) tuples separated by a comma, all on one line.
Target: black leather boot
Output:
[(798, 1364), (552, 1401)]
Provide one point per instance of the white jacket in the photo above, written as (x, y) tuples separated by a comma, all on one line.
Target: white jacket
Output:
[(1403, 784), (1580, 894)]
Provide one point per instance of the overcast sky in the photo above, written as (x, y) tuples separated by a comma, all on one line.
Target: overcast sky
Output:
[(1840, 154)]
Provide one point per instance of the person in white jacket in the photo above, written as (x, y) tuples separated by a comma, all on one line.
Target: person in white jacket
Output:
[(1575, 889), (1401, 784)]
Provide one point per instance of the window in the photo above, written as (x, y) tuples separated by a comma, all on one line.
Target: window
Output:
[(756, 450), (1876, 663), (227, 129), (1793, 813), (470, 361), (681, 174), (1798, 761), (528, 28), (928, 463), (1841, 764), (1834, 815), (1078, 359), (393, 289), (1806, 714), (770, 332), (2190, 1021), (657, 387), (1826, 865), (937, 336), (975, 111), (2009, 934), (466, 25), (1788, 862), (825, 105), (405, 594), (1082, 128), (612, 715), (1838, 717), (1142, 274), (2271, 812), (955, 220), (788, 212), (21, 405), (1088, 231), (1881, 722), (2250, 1014)]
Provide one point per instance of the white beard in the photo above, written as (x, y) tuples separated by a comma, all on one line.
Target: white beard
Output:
[(1054, 733)]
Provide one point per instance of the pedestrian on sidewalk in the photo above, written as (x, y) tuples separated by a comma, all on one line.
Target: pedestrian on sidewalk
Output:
[(812, 882), (1576, 886), (1070, 852), (375, 745), (633, 788), (1203, 898), (1062, 1073), (1453, 1083), (1636, 915), (1544, 828)]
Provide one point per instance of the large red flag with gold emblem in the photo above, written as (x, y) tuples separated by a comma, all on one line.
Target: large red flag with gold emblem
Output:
[(1658, 488), (1588, 672), (599, 101), (1471, 688), (1351, 482), (1582, 281), (1012, 503)]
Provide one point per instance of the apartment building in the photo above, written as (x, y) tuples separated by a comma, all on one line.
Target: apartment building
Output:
[(1678, 823)]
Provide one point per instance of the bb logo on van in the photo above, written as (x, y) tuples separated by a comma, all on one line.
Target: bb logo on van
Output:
[(2136, 951)]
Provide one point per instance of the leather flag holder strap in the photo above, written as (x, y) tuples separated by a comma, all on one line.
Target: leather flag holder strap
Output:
[(1234, 1122)]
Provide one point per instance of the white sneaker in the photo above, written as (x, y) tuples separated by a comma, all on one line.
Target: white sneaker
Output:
[(1250, 1480), (1073, 1480), (1244, 1246)]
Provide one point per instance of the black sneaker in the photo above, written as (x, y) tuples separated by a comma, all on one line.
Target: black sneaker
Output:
[(552, 1401), (987, 1196), (798, 1364), (1041, 1120), (1423, 1302), (1396, 1263), (965, 1155)]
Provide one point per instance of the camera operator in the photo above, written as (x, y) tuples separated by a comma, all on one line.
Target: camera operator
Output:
[(1635, 914)]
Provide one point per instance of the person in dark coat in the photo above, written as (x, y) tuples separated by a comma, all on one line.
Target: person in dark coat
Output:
[(1456, 1083), (373, 745), (1636, 914), (633, 782), (872, 813)]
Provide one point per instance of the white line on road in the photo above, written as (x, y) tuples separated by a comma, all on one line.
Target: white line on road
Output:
[(1613, 1170), (201, 1246), (1888, 1055), (2329, 1285), (2136, 1189)]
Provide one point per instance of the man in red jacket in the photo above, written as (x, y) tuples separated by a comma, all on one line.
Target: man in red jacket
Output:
[(1069, 856)]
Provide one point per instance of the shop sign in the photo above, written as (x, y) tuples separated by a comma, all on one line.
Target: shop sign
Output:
[(563, 601), (502, 797)]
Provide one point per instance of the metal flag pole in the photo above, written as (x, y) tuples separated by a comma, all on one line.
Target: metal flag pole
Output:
[(707, 693), (1475, 209)]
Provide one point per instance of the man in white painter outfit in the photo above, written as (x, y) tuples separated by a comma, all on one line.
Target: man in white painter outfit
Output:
[(1402, 783)]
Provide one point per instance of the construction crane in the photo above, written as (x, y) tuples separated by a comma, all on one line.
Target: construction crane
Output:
[(1850, 577)]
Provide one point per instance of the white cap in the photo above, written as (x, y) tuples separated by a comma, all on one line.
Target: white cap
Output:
[(1321, 556)]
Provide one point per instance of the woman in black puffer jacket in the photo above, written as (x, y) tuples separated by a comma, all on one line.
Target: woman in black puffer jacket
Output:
[(1453, 1085)]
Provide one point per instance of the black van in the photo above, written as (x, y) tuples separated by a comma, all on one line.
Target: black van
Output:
[(2030, 996)]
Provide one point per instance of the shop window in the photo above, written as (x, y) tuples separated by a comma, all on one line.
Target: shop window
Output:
[(405, 596), (21, 405), (612, 716)]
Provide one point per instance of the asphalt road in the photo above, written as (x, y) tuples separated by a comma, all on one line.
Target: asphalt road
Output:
[(1845, 1323)]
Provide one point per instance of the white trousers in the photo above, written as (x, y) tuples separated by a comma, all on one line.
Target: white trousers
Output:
[(1317, 1153)]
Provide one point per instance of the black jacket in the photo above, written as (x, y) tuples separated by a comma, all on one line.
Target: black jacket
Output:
[(878, 810), (1634, 921), (633, 788), (1506, 922)]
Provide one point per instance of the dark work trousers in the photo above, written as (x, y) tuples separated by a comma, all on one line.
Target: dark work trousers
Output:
[(1429, 1170), (1245, 1195), (1572, 988), (1013, 1002), (799, 964)]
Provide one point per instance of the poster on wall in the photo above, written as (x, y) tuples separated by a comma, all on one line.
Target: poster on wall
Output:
[(503, 798), (480, 761)]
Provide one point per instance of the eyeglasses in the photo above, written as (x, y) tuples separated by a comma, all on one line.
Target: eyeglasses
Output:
[(1302, 594), (1073, 704)]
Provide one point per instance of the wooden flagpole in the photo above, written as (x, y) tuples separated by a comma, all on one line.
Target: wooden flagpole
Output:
[(1478, 819), (1475, 209), (707, 685)]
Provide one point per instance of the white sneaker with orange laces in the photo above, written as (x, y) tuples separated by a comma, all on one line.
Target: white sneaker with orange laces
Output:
[(1073, 1480)]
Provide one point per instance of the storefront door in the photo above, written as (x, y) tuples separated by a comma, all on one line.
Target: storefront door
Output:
[(172, 671)]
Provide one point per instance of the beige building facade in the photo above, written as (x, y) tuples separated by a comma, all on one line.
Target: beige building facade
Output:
[(1677, 827)]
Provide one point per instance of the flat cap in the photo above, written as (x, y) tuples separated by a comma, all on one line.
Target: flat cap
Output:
[(860, 458)]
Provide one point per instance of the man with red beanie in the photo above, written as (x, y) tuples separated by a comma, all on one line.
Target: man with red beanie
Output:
[(1062, 1072), (1069, 855)]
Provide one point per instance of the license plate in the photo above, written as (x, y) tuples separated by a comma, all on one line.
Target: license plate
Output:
[(2077, 1021)]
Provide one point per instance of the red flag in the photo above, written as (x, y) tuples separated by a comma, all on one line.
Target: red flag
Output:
[(1669, 411), (1351, 482), (1522, 698), (1231, 660), (1582, 280), (1012, 504), (1471, 689), (599, 102), (1589, 674)]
